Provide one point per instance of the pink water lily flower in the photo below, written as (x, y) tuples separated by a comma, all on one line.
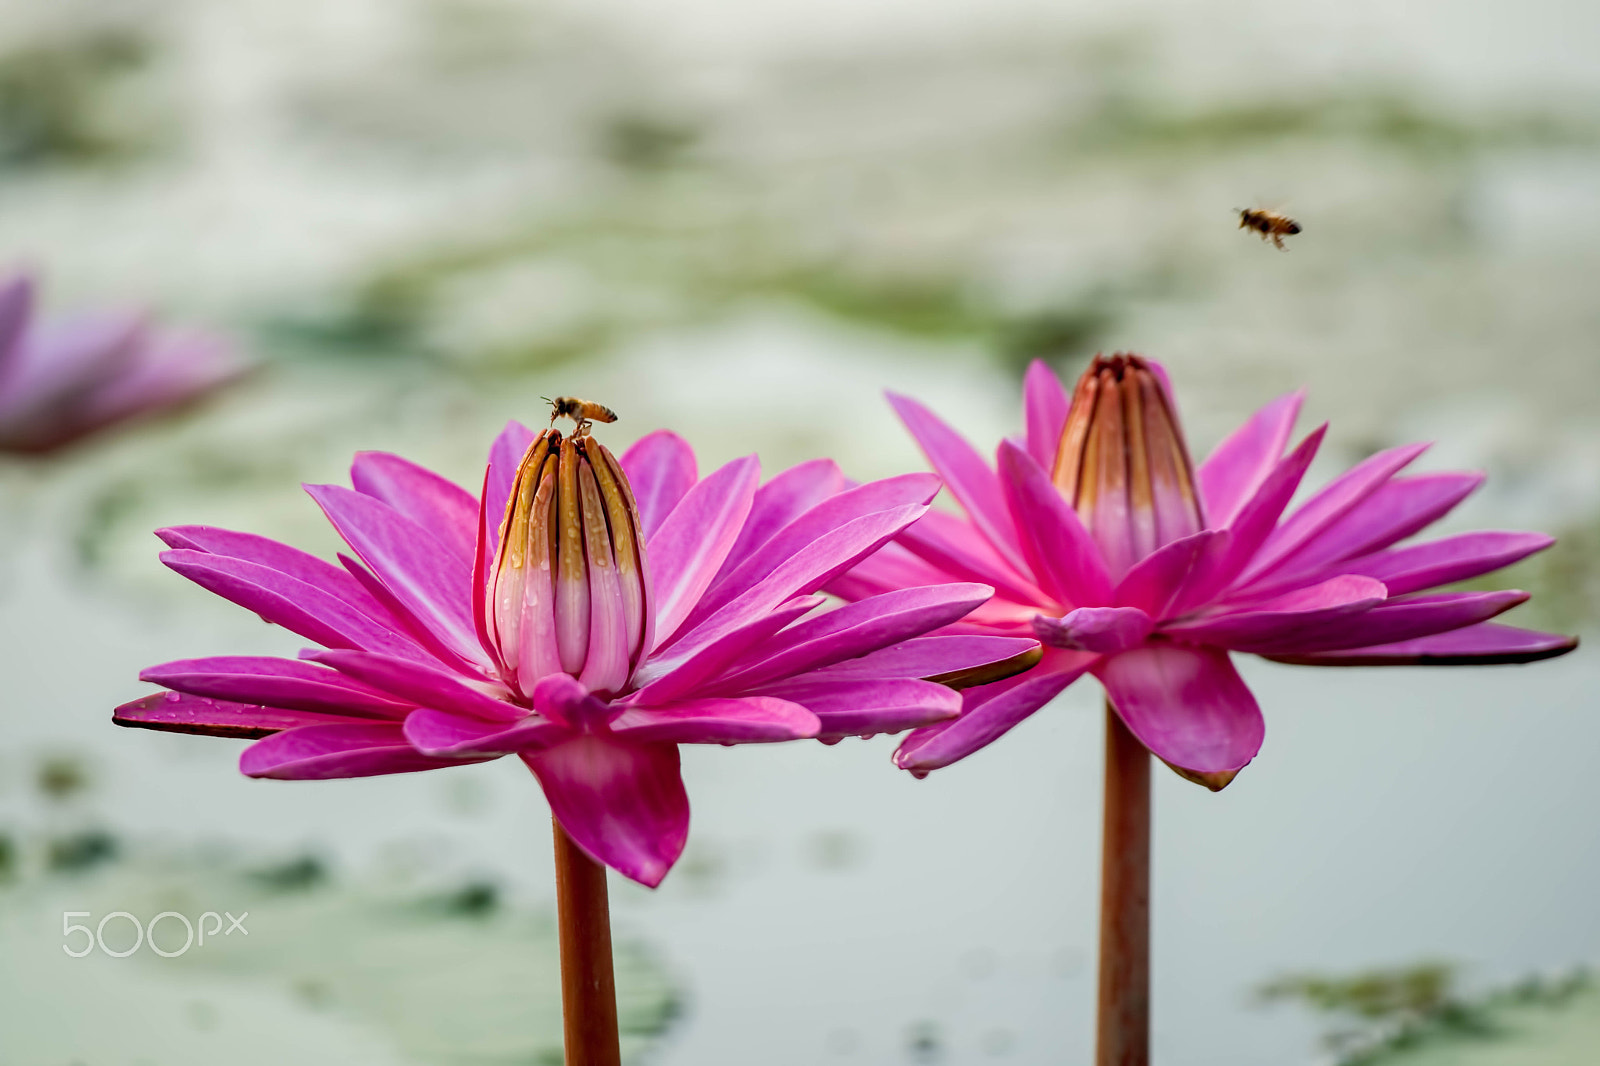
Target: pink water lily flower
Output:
[(62, 381), (584, 614), (1128, 563)]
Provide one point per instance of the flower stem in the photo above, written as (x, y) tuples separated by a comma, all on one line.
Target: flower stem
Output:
[(588, 987), (1123, 1033)]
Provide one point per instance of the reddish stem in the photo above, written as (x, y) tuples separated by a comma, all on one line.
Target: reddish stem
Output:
[(588, 987), (1123, 1033)]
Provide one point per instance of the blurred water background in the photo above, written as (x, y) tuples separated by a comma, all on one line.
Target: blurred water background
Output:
[(744, 222)]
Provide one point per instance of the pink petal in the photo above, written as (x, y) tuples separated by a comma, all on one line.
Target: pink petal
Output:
[(437, 647), (1235, 471), (1102, 630), (446, 510), (1059, 550), (1187, 704), (689, 546), (780, 501), (867, 708), (288, 602), (1045, 405), (1320, 514), (962, 554), (302, 566), (417, 683), (889, 568), (990, 711), (173, 712), (286, 684), (1394, 621), (505, 456), (1439, 562), (318, 752), (444, 734), (1484, 644), (925, 657), (1293, 615), (661, 470), (16, 308), (622, 803), (1252, 524), (965, 474), (433, 584), (562, 699), (1158, 580), (808, 528), (746, 720), (691, 668), (857, 629)]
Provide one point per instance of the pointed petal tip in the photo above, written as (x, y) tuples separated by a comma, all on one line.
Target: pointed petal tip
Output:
[(1216, 781)]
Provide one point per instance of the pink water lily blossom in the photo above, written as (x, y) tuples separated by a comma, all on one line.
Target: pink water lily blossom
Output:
[(1131, 564), (585, 614), (61, 381)]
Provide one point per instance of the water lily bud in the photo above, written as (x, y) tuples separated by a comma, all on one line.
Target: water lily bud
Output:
[(1123, 464), (569, 588)]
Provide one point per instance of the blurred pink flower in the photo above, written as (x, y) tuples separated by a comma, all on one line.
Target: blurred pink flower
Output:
[(1101, 539), (587, 626), (61, 381)]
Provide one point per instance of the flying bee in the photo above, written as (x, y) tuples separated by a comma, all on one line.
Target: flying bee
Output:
[(1270, 224), (580, 411)]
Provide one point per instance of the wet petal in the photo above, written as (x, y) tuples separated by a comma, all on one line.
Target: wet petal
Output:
[(1187, 704), (867, 708), (622, 803), (418, 683), (174, 712)]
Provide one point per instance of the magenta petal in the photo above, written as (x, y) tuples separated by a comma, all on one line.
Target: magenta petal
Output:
[(173, 712), (941, 653), (990, 711), (808, 528), (746, 720), (1045, 404), (858, 628), (1302, 613), (420, 684), (965, 474), (1396, 620), (1484, 644), (779, 502), (444, 734), (445, 509), (285, 601), (661, 470), (505, 456), (1439, 562), (288, 684), (1235, 470), (622, 803), (867, 708), (16, 308), (708, 654), (318, 752), (1102, 630), (1155, 582), (689, 546), (1318, 515), (1063, 557), (302, 566), (561, 698), (1187, 704), (433, 583), (958, 550)]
